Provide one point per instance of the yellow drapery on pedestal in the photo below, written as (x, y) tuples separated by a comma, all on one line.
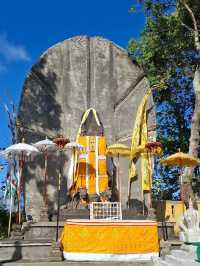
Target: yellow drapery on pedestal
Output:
[(91, 165), (109, 237), (140, 137), (74, 156), (91, 168)]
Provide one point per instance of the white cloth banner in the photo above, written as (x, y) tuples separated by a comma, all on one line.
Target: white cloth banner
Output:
[(75, 256)]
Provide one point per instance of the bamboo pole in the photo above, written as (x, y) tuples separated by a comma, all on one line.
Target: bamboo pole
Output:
[(45, 179), (19, 188), (10, 212), (118, 177)]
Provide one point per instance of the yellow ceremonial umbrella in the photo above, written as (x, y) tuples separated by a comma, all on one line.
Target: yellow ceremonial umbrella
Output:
[(117, 150), (181, 159), (152, 148), (137, 151)]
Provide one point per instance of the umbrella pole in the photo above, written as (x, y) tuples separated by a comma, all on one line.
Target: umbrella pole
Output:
[(73, 165), (143, 202), (45, 179), (19, 190), (181, 190), (143, 199), (129, 192), (59, 184), (118, 177), (10, 212), (73, 174)]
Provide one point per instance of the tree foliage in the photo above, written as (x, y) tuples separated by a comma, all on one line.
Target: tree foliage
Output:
[(169, 57), (165, 44)]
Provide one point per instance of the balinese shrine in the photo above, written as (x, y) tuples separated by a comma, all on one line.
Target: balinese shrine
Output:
[(89, 92)]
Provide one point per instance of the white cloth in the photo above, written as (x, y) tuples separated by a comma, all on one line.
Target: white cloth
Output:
[(75, 256)]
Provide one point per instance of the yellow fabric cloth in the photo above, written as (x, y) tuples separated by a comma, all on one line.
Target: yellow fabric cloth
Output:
[(87, 165), (75, 155), (109, 237), (140, 137), (84, 118)]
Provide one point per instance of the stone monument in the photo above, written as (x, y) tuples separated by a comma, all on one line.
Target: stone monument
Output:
[(69, 78), (190, 225)]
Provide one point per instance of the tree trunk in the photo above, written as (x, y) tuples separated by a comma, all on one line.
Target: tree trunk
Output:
[(194, 137)]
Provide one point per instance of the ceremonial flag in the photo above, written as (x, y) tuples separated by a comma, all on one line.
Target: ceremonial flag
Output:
[(11, 182)]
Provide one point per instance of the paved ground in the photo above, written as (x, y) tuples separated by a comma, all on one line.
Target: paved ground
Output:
[(23, 263)]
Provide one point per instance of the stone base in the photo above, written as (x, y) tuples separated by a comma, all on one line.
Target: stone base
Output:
[(16, 233), (190, 237), (152, 214), (55, 253), (44, 214), (47, 230), (73, 214), (69, 263), (14, 250), (42, 230), (127, 214)]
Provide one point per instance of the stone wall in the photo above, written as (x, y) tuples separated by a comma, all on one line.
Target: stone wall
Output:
[(68, 78)]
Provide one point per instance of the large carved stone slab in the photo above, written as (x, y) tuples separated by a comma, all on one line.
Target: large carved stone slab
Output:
[(68, 78)]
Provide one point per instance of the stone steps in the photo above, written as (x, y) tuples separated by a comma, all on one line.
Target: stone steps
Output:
[(177, 258), (160, 262), (179, 261), (67, 263), (181, 254)]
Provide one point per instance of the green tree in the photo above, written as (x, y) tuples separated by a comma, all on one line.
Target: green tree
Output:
[(169, 50)]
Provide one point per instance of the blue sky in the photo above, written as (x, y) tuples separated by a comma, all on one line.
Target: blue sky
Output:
[(28, 28)]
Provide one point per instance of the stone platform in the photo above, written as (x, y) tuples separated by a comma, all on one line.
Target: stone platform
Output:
[(36, 252), (47, 230), (127, 214), (41, 230), (25, 263), (184, 256), (32, 253), (14, 250)]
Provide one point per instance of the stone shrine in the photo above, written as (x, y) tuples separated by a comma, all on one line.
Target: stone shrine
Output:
[(69, 78)]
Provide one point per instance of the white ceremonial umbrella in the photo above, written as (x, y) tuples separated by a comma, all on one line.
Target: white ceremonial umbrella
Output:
[(44, 146), (20, 151), (74, 146)]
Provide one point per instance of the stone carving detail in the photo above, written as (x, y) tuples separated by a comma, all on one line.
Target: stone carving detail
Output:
[(189, 225), (78, 42)]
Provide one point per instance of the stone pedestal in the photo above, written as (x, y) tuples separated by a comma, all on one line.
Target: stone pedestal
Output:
[(55, 253), (44, 214), (190, 237), (16, 233), (151, 214)]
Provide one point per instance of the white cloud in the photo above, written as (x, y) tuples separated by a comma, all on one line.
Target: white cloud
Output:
[(11, 51)]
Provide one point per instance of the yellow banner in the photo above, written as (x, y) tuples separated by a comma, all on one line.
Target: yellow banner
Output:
[(140, 138)]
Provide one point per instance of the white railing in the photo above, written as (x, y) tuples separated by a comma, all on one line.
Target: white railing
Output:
[(105, 211)]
